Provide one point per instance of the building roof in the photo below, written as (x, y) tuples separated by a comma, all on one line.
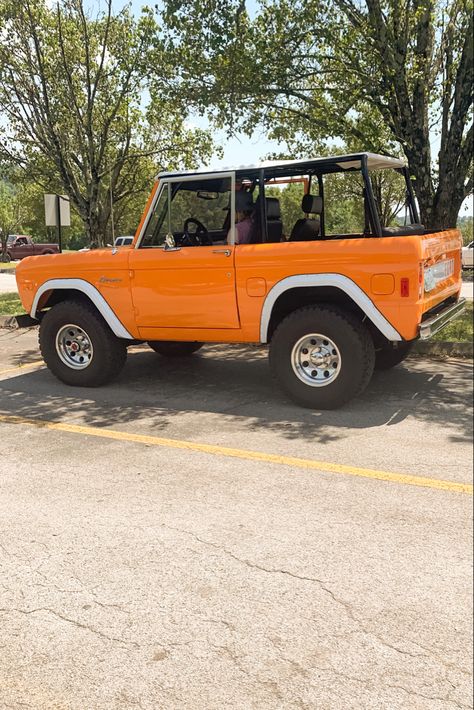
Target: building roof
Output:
[(335, 163)]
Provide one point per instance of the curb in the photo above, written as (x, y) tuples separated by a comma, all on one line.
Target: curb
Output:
[(24, 320), (443, 348), (8, 322)]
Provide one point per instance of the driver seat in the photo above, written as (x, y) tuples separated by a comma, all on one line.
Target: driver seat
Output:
[(274, 222)]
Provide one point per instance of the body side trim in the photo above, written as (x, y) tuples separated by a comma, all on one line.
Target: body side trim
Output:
[(95, 296), (337, 280)]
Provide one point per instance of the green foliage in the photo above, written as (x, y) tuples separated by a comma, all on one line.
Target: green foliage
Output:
[(460, 330), (466, 227), (14, 207), (81, 116), (376, 75), (10, 304)]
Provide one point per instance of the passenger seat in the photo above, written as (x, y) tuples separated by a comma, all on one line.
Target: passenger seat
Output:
[(308, 228)]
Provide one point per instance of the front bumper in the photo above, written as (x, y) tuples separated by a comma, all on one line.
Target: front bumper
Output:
[(436, 322)]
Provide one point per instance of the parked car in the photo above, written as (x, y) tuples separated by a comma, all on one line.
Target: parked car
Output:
[(467, 256), (332, 304), (123, 241), (21, 245)]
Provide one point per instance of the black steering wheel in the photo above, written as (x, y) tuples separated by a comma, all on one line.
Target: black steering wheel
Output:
[(198, 238)]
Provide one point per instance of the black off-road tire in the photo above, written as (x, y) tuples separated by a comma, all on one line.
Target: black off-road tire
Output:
[(355, 345), (174, 348), (109, 353), (389, 357)]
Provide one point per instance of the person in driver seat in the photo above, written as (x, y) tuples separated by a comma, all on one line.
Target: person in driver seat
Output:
[(244, 225)]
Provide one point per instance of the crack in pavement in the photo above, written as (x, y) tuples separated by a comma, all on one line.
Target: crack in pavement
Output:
[(269, 570), (75, 622), (429, 697), (346, 606)]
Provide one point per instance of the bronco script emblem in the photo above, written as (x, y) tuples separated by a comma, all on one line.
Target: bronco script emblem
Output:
[(106, 280)]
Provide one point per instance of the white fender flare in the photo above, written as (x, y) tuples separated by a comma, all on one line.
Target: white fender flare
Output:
[(343, 283), (92, 293)]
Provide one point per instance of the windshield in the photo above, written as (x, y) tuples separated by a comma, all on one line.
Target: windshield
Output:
[(11, 238)]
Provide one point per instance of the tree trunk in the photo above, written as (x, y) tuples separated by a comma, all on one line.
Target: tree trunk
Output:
[(3, 250), (446, 207), (93, 232)]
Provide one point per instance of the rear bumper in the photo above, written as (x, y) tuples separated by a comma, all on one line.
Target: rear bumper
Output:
[(436, 322)]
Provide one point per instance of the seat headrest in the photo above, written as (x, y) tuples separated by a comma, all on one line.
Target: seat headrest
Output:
[(273, 208), (312, 204), (243, 201), (272, 205)]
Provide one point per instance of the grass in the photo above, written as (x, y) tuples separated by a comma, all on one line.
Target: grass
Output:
[(460, 330), (10, 265), (10, 304)]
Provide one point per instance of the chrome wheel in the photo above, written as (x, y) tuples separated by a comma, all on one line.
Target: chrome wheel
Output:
[(74, 347), (316, 360)]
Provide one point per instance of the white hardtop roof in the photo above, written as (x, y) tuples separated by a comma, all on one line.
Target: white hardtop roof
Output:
[(345, 162)]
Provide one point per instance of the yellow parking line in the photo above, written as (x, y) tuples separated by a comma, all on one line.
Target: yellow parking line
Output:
[(36, 363), (326, 467)]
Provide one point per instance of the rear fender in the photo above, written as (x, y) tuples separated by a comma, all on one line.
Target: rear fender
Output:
[(344, 284)]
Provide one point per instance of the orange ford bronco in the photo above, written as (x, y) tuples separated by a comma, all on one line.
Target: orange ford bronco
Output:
[(336, 281)]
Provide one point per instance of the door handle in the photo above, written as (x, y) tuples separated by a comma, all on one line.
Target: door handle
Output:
[(227, 252)]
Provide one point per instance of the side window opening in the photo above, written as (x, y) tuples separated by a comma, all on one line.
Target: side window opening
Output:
[(198, 214), (157, 227), (289, 193), (391, 199), (344, 204), (209, 207)]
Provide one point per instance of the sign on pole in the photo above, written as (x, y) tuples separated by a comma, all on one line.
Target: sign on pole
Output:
[(55, 217), (57, 213)]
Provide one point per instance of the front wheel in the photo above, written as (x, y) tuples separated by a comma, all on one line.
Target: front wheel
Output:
[(174, 348), (78, 346), (322, 356)]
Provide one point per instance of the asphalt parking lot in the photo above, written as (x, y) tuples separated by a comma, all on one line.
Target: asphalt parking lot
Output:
[(187, 538)]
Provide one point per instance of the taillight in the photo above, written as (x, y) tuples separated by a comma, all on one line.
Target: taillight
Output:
[(405, 287)]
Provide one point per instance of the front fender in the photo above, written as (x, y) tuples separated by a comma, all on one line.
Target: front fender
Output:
[(92, 294)]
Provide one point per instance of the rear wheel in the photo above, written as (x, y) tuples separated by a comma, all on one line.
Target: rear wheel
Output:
[(174, 348), (78, 346), (322, 356), (389, 357)]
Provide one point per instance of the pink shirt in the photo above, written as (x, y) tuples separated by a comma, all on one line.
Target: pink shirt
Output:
[(243, 231)]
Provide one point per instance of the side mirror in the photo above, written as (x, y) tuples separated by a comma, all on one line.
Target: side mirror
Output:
[(170, 242)]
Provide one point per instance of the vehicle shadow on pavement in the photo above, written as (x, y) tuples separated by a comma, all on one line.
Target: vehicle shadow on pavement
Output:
[(234, 382), (25, 357)]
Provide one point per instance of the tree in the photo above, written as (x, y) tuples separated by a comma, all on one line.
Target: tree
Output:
[(312, 70), (79, 117), (13, 212), (465, 225)]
